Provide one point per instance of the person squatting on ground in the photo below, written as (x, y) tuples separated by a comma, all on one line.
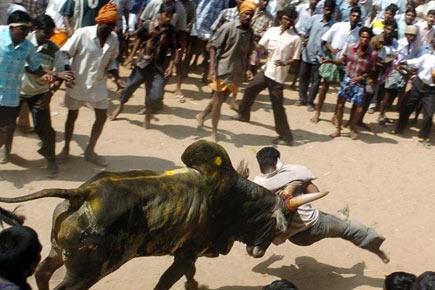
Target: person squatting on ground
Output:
[(20, 252), (310, 225), (93, 51), (360, 61), (15, 52), (283, 46), (153, 67), (229, 57)]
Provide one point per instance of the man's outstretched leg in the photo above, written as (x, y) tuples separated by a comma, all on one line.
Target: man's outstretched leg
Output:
[(329, 226)]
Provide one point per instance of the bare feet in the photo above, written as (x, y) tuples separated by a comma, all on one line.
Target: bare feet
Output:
[(179, 94), (335, 134), (353, 134), (199, 120), (384, 256), (95, 159), (63, 155), (214, 136), (233, 104), (116, 112), (315, 119)]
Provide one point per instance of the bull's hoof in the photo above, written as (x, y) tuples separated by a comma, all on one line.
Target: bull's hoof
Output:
[(191, 285)]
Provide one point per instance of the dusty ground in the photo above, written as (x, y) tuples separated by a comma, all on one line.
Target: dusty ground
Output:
[(387, 181)]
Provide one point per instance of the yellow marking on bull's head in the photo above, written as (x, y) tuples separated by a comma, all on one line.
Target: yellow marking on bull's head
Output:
[(170, 172), (218, 161)]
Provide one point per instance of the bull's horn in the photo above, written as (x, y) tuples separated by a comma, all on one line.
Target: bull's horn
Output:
[(299, 200)]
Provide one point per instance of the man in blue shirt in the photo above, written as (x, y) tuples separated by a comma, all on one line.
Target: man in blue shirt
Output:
[(313, 32), (15, 52)]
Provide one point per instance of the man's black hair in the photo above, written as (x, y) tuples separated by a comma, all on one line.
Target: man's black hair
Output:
[(431, 12), (281, 285), (366, 29), (19, 251), (329, 4), (399, 281), (167, 7), (290, 12), (267, 158), (44, 22), (412, 10), (355, 9), (19, 16), (425, 281), (392, 8)]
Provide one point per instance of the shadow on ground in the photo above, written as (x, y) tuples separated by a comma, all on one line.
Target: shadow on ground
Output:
[(309, 274)]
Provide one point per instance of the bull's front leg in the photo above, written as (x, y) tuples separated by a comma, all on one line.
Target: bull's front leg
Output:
[(184, 264)]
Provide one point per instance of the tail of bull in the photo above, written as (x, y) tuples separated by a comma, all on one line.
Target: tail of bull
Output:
[(69, 194)]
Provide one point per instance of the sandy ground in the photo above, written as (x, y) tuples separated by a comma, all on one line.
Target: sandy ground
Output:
[(387, 181)]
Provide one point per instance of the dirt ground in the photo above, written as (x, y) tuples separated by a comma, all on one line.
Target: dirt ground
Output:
[(387, 181)]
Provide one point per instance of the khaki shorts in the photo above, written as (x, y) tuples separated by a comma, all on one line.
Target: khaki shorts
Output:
[(73, 104)]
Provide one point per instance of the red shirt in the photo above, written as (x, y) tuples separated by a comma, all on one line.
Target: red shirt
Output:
[(357, 65)]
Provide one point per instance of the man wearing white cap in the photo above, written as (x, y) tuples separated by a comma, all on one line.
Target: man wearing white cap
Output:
[(396, 81)]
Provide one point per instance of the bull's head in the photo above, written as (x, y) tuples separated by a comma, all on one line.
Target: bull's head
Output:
[(243, 210)]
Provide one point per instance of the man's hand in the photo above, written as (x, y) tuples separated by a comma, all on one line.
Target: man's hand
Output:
[(47, 78), (66, 75), (243, 169), (334, 51), (44, 101), (325, 60), (357, 79), (168, 71)]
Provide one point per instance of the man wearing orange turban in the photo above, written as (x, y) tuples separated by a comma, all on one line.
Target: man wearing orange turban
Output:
[(108, 14), (247, 5), (231, 46), (93, 51)]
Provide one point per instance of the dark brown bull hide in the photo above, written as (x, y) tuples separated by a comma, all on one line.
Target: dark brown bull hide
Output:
[(190, 212)]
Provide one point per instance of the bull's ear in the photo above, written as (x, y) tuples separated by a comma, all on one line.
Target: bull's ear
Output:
[(281, 221)]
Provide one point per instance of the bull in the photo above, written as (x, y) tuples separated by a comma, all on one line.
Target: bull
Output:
[(199, 210)]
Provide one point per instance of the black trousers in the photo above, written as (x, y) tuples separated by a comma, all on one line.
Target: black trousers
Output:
[(8, 118), (308, 72), (42, 122), (259, 83), (423, 94)]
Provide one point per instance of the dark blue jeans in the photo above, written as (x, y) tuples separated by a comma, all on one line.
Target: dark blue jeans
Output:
[(309, 72), (154, 86)]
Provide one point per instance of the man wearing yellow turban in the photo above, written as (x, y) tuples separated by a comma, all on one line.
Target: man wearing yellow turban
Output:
[(230, 48)]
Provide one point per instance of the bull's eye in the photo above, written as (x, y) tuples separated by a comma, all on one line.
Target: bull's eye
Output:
[(218, 161)]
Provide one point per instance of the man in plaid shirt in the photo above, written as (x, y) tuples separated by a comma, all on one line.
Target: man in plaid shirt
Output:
[(360, 61)]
